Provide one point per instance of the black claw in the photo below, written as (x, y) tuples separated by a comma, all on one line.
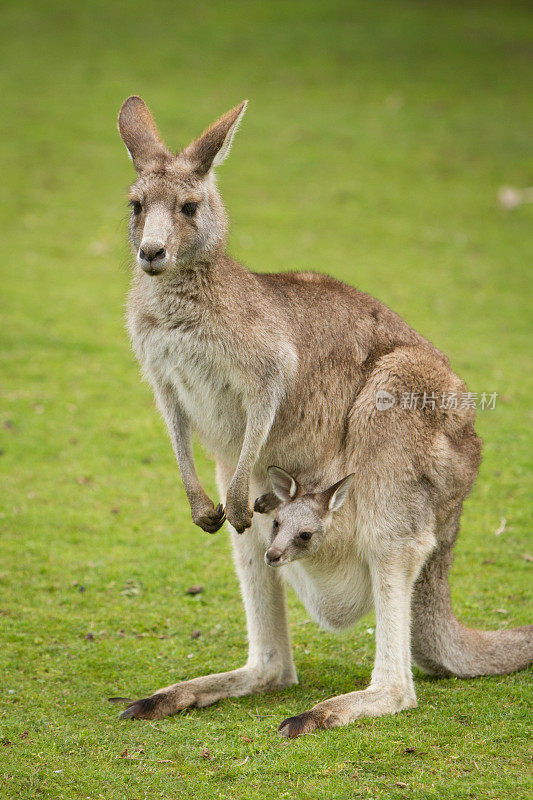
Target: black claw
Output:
[(292, 727), (142, 709), (287, 723), (211, 523)]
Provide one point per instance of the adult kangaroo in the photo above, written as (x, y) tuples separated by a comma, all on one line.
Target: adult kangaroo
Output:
[(302, 371)]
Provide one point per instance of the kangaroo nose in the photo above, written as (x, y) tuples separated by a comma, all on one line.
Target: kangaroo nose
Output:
[(150, 251), (273, 555)]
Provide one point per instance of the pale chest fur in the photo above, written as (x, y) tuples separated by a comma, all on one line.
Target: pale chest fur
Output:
[(202, 380)]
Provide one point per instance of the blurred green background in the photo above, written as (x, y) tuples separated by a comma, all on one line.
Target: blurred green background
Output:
[(377, 140)]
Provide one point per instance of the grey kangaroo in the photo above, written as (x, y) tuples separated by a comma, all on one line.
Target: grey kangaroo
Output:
[(286, 369)]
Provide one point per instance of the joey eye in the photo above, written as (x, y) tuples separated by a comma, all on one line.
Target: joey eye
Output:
[(136, 206), (305, 536), (275, 524), (189, 209)]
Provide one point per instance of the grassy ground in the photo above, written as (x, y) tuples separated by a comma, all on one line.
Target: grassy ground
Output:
[(376, 140)]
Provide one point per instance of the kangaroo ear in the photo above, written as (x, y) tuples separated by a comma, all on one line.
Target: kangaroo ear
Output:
[(213, 146), (336, 494), (139, 133), (284, 485)]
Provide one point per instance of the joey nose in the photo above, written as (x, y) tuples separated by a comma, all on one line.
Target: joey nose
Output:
[(273, 555)]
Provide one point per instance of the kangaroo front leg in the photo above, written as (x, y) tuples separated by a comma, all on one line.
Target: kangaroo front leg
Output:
[(259, 421), (270, 666), (203, 511), (391, 688)]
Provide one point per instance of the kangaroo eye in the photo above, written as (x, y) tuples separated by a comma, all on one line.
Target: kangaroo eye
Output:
[(136, 206), (275, 524), (305, 536), (189, 209)]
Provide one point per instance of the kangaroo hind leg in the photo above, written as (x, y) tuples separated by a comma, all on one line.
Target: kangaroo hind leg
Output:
[(270, 665), (394, 564)]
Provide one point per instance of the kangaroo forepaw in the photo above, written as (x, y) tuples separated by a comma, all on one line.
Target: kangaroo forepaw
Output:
[(267, 502), (240, 517), (211, 521)]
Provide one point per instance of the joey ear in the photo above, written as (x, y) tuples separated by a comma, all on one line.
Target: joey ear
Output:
[(336, 494), (139, 133), (213, 146), (284, 485)]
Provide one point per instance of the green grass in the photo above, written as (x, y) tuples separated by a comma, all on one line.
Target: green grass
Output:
[(376, 140)]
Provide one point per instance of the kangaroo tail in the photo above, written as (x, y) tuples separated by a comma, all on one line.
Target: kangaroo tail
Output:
[(441, 646)]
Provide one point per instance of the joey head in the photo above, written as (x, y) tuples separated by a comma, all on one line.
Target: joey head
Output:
[(301, 519)]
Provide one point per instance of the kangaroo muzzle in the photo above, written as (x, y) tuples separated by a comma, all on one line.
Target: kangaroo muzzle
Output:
[(274, 556), (153, 255)]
